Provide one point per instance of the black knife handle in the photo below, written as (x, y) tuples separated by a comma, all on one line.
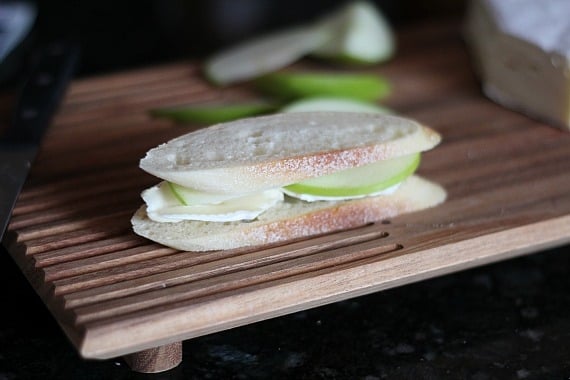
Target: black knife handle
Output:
[(52, 69)]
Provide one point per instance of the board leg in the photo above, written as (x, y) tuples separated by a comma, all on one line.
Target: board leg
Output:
[(157, 359)]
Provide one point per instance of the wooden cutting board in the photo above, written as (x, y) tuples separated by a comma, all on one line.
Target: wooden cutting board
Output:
[(114, 293)]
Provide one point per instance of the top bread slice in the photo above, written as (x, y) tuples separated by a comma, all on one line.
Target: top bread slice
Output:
[(265, 152)]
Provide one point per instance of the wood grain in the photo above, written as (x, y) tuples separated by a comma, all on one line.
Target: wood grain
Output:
[(115, 293), (154, 360)]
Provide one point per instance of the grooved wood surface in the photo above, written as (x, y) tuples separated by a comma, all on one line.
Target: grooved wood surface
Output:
[(115, 293)]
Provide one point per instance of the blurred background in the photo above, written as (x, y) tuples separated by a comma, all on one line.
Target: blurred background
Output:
[(122, 34)]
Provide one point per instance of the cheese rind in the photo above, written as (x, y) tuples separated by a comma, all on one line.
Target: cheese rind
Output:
[(522, 55)]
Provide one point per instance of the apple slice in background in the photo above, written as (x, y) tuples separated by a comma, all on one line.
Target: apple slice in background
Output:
[(212, 113), (263, 55), (358, 33), (294, 85), (359, 181), (219, 113), (334, 104)]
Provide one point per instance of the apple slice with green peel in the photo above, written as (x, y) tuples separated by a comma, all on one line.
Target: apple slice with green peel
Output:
[(168, 202), (333, 104), (213, 113), (358, 33), (294, 85), (263, 55), (189, 197), (359, 181)]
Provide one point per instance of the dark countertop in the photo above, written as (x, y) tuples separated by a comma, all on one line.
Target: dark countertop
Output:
[(508, 320)]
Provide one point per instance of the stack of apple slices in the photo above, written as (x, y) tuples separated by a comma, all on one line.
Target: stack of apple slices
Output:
[(356, 33)]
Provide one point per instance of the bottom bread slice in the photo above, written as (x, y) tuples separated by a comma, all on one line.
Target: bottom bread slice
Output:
[(290, 220)]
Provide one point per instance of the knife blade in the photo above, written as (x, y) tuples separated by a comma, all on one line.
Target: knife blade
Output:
[(52, 70)]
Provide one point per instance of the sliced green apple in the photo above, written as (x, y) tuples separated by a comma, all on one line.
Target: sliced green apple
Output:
[(333, 104), (362, 180), (165, 205), (358, 33), (294, 85), (212, 113), (189, 197), (263, 55)]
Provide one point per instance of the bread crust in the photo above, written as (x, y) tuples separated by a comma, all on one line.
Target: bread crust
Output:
[(264, 154), (291, 220)]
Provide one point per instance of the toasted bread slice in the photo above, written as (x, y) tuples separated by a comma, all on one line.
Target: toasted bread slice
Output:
[(259, 153), (290, 220)]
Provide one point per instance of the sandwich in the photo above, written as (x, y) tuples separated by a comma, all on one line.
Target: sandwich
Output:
[(272, 179)]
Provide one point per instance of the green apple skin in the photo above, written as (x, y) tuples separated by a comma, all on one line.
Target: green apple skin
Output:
[(211, 114), (175, 189), (361, 180), (334, 104), (294, 85), (348, 60)]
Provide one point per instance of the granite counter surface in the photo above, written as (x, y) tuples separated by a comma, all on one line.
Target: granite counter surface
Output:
[(509, 320)]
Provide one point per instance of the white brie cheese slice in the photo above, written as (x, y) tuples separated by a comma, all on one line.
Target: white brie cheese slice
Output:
[(163, 206), (522, 52)]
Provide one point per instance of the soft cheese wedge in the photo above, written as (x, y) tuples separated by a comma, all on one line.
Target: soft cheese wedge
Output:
[(267, 179), (521, 51)]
